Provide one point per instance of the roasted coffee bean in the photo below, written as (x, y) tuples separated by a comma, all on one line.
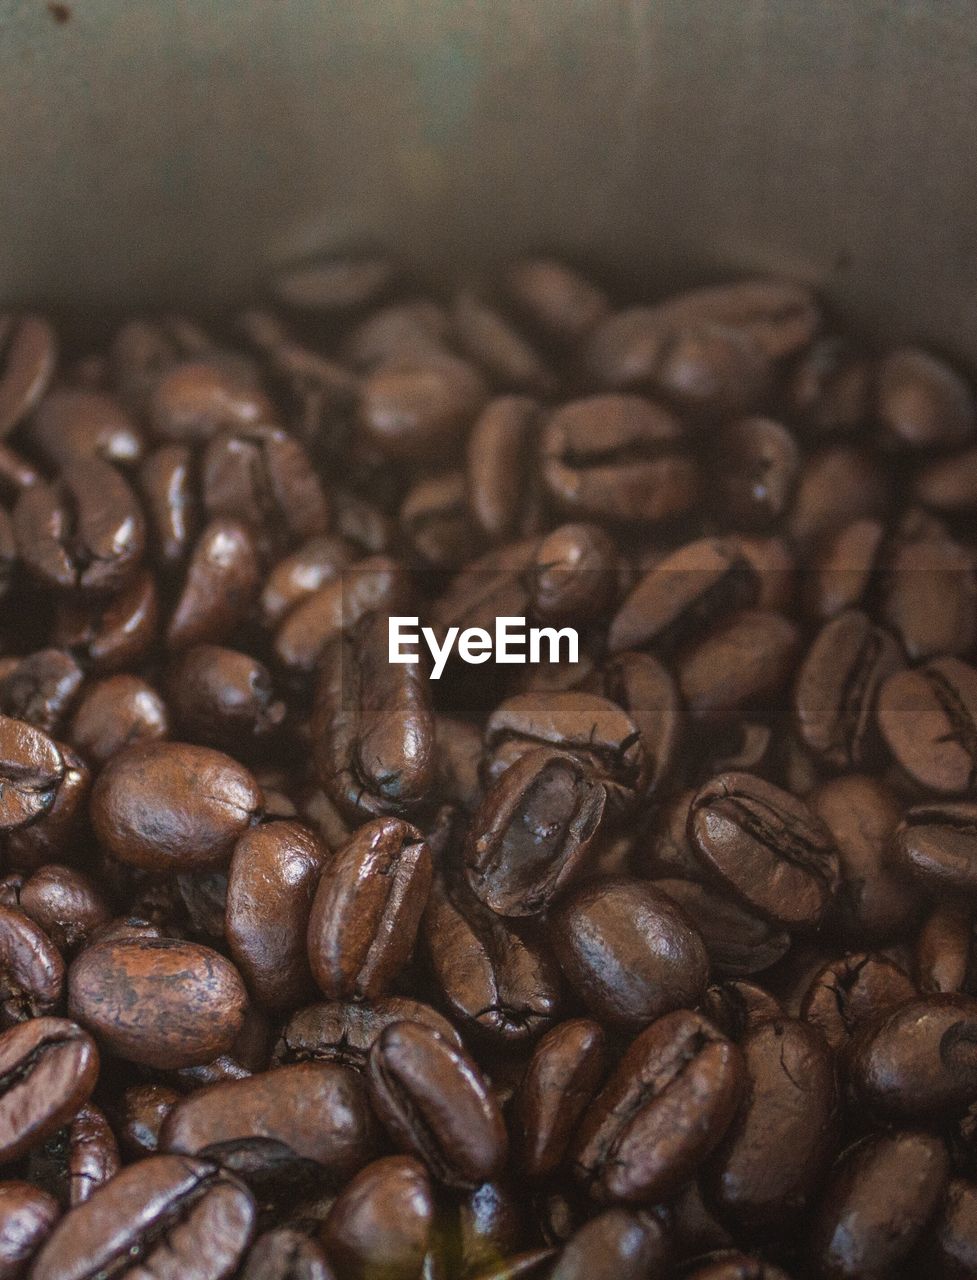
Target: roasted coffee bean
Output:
[(619, 458), (93, 1154), (222, 697), (495, 975), (662, 1113), (418, 408), (949, 484), (436, 521), (837, 685), (140, 1116), (488, 338), (937, 845), (922, 402), (616, 1245), (736, 1007), (847, 992), (491, 1224), (367, 910), (31, 969), (928, 719), (168, 806), (73, 422), (433, 1101), (501, 481), (560, 1081), (286, 1254), (575, 574), (766, 847), (48, 1068), (382, 1222), (954, 1244), (931, 597), (942, 955), (86, 532), (556, 298), (220, 586), (628, 951), (777, 1149), (305, 571), (317, 1110), (32, 769), (738, 942), (532, 833), (166, 483), (166, 1215), (372, 725), (157, 1001), (42, 688), (738, 1266), (846, 568), (829, 387), (115, 713), (28, 356), (876, 901), (271, 883), (344, 1031), (648, 693), (756, 463), (27, 1218), (108, 635), (334, 284), (836, 486), (917, 1062), (742, 665), (67, 904), (8, 552), (881, 1198), (196, 399)]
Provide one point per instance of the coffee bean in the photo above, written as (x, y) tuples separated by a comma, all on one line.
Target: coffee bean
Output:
[(556, 298), (220, 586), (737, 941), (928, 719), (418, 408), (108, 635), (616, 1245), (285, 1254), (28, 356), (72, 422), (168, 806), (560, 1081), (382, 1222), (830, 386), (367, 909), (922, 402), (165, 1212), (954, 1246), (628, 951), (501, 483), (433, 1101), (48, 1068), (846, 993), (344, 1031), (31, 969), (116, 713), (161, 1002), (27, 1218), (67, 904), (767, 847), (222, 697)]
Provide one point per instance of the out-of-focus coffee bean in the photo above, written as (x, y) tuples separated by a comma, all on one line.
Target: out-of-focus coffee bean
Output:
[(420, 408), (114, 713), (75, 423), (334, 284), (502, 485), (28, 356), (928, 720), (921, 402)]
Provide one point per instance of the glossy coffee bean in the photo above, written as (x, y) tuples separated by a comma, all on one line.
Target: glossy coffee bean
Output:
[(879, 1202), (756, 464), (382, 1222), (286, 1254), (32, 769), (937, 845), (344, 1031), (48, 1068), (628, 951), (270, 888), (140, 1115), (161, 1002), (433, 1101), (767, 847), (67, 904), (27, 1218), (663, 1112), (115, 713), (42, 688), (502, 486), (220, 586), (172, 807), (367, 909), (107, 635), (738, 942), (31, 969), (954, 1246), (186, 1216), (222, 697), (560, 1081), (848, 992), (195, 399), (618, 1244)]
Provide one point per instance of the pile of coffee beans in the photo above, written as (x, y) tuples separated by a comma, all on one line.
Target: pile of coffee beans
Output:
[(659, 962)]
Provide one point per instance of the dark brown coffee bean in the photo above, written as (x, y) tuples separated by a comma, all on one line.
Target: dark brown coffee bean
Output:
[(436, 520), (166, 482), (829, 387), (917, 1061), (27, 1218), (16, 474), (433, 1102), (31, 969), (28, 356), (108, 635), (836, 486), (85, 532), (222, 697), (937, 845), (49, 836), (317, 1110), (931, 597), (196, 399), (220, 587), (42, 688), (165, 1216), (617, 457), (555, 298), (738, 1266), (949, 484), (271, 883), (928, 718), (736, 1007), (663, 1112), (560, 1082), (334, 284), (115, 713), (93, 1154), (683, 593), (501, 482), (742, 665), (628, 951), (140, 1115), (372, 725), (778, 1147), (882, 1196), (8, 552), (954, 1244), (922, 402), (344, 1031), (767, 847), (648, 693), (161, 1002), (738, 942), (285, 1254), (837, 685), (72, 422), (419, 408), (315, 563), (575, 574), (48, 1068), (616, 1245), (382, 1222), (846, 566), (367, 910), (168, 806), (531, 835), (487, 337), (495, 975), (848, 992), (417, 327), (756, 463), (67, 904)]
